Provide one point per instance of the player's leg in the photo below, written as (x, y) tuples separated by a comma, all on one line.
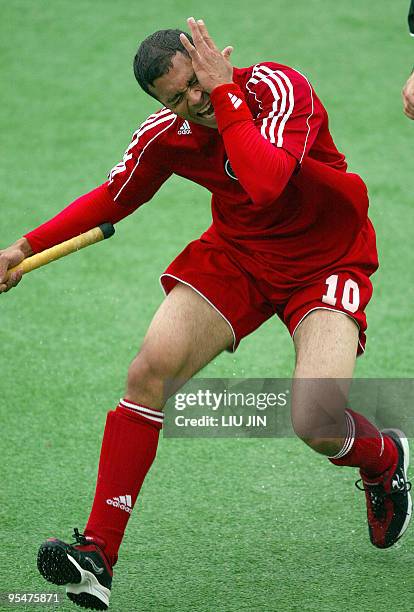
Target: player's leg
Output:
[(185, 334), (326, 345)]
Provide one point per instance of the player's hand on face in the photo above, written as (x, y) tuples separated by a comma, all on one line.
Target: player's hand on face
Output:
[(408, 97), (212, 66), (9, 258)]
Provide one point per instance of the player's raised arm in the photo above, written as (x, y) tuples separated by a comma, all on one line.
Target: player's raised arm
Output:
[(262, 168)]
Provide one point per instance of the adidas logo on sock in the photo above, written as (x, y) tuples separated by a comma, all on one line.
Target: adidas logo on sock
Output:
[(123, 502), (184, 129), (235, 100)]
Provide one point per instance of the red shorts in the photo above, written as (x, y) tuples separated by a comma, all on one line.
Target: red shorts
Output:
[(247, 289)]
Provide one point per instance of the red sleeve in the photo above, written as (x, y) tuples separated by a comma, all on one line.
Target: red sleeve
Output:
[(145, 165), (132, 182), (88, 211), (261, 169), (289, 113)]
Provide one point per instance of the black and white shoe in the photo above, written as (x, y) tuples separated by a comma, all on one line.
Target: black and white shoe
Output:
[(388, 498), (81, 566)]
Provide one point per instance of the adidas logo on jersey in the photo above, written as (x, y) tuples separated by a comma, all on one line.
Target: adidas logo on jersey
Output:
[(123, 502), (235, 100), (184, 129)]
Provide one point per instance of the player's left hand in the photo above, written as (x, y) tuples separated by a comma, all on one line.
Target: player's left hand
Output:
[(212, 67)]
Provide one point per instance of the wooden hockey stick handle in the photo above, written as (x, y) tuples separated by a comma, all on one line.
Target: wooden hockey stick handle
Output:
[(106, 230)]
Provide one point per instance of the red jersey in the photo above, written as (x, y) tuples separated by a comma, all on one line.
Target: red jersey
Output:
[(268, 110)]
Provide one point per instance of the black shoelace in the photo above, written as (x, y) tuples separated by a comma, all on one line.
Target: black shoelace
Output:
[(80, 539), (377, 495)]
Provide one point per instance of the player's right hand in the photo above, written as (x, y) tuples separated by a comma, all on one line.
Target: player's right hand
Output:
[(9, 258)]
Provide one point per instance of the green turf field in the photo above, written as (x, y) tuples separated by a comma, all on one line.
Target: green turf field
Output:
[(222, 525)]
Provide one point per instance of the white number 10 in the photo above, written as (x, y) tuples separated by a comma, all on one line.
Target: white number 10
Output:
[(350, 295)]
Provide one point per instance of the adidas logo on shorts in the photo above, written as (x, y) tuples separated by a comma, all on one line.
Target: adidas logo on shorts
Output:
[(184, 129), (123, 502)]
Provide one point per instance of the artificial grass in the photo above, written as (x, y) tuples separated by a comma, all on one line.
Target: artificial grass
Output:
[(222, 524)]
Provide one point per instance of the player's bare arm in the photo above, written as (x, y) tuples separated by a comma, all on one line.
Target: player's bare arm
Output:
[(212, 66), (408, 97), (408, 91), (12, 256)]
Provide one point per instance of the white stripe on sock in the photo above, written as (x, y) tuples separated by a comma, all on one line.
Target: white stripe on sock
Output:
[(382, 444), (349, 439), (149, 413)]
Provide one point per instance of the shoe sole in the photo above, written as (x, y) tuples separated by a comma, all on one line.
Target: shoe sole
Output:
[(398, 436), (82, 587), (89, 592), (54, 565)]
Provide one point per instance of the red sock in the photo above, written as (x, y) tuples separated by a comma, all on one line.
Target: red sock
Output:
[(365, 447), (128, 449)]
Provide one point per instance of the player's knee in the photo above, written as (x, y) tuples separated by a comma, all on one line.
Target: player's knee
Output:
[(316, 434), (301, 423), (149, 376), (144, 371), (315, 420)]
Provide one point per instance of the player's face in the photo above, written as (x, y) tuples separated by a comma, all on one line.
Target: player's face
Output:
[(180, 91)]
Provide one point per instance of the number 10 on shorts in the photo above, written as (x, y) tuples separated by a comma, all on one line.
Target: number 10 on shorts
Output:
[(350, 293)]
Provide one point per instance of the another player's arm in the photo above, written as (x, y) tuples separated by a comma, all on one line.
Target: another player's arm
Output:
[(408, 96), (408, 91)]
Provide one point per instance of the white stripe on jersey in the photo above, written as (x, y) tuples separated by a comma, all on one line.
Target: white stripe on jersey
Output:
[(159, 113), (271, 132), (163, 120), (275, 94), (276, 80), (149, 121), (287, 114), (309, 116), (272, 78), (147, 125), (121, 166)]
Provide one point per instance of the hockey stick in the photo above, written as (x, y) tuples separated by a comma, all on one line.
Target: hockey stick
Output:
[(106, 230)]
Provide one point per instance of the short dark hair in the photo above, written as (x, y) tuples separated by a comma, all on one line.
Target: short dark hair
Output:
[(155, 54)]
